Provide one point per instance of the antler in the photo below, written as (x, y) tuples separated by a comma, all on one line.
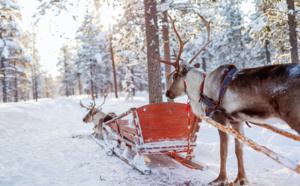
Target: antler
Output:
[(91, 106), (207, 25), (181, 43), (104, 95)]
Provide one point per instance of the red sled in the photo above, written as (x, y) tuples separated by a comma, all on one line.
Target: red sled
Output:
[(156, 129)]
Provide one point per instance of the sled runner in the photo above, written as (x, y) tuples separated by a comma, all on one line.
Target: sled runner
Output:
[(155, 129)]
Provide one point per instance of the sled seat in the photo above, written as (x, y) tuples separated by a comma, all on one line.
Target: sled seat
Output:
[(161, 128)]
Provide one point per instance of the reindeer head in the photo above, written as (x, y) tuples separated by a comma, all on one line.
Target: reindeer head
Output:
[(93, 109), (177, 87)]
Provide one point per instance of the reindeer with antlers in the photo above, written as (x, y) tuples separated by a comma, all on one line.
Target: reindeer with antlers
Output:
[(232, 97), (96, 115)]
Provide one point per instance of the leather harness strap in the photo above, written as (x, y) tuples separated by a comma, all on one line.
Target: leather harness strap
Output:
[(216, 105)]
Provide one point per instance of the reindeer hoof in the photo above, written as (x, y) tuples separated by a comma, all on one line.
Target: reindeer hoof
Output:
[(219, 183), (237, 182)]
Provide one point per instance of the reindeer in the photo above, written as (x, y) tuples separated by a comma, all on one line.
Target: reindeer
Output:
[(96, 116), (234, 97)]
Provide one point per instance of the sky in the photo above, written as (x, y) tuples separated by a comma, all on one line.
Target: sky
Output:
[(52, 29)]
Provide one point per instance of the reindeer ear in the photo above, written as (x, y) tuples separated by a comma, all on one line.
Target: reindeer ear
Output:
[(184, 70), (197, 65)]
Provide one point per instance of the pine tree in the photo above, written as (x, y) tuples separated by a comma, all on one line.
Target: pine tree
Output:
[(29, 42), (230, 46), (132, 40), (272, 26), (66, 64), (93, 61), (13, 59)]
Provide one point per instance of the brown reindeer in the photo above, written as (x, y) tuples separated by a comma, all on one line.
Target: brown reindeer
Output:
[(96, 116), (232, 97)]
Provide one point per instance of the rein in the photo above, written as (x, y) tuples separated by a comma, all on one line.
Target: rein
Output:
[(216, 105)]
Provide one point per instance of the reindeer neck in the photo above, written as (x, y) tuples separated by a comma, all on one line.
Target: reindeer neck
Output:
[(98, 114), (194, 79)]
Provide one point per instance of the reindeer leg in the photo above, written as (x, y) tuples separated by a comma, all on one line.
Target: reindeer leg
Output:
[(241, 178), (99, 129), (222, 178)]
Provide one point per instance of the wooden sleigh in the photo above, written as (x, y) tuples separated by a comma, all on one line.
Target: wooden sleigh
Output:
[(155, 129), (166, 128)]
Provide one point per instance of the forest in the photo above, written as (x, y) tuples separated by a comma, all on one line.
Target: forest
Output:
[(114, 50)]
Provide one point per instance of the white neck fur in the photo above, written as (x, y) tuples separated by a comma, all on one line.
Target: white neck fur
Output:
[(194, 79)]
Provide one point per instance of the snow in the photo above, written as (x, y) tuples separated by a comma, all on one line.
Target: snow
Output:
[(27, 59), (46, 143), (98, 58), (1, 43), (8, 4), (282, 6), (5, 52)]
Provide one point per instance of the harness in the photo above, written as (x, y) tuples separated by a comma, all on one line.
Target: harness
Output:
[(216, 105)]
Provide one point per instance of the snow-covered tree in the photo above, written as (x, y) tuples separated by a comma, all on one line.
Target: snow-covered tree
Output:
[(13, 59), (66, 64), (230, 44), (49, 86), (93, 62), (29, 41), (272, 26), (130, 45)]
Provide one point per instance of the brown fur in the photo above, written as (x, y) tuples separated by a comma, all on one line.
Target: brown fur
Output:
[(252, 94)]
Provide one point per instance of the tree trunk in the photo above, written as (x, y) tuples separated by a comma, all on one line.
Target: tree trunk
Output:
[(47, 87), (34, 76), (34, 82), (154, 72), (132, 80), (268, 56), (114, 67), (167, 55), (66, 71), (204, 64), (292, 28), (79, 83), (4, 88), (16, 84), (92, 83)]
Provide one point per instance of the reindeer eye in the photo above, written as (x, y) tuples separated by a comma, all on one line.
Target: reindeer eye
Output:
[(175, 75)]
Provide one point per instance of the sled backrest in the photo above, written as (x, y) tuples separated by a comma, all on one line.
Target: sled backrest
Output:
[(166, 122)]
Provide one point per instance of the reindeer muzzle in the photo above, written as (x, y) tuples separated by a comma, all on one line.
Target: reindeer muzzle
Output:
[(170, 95)]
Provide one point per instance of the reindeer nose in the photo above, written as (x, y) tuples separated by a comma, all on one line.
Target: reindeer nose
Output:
[(83, 120), (169, 95)]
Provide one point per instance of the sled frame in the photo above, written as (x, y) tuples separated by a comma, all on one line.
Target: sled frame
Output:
[(157, 129)]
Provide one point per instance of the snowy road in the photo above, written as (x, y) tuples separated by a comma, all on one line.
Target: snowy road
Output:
[(46, 143)]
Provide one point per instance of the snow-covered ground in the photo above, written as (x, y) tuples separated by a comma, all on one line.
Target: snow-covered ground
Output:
[(46, 143)]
